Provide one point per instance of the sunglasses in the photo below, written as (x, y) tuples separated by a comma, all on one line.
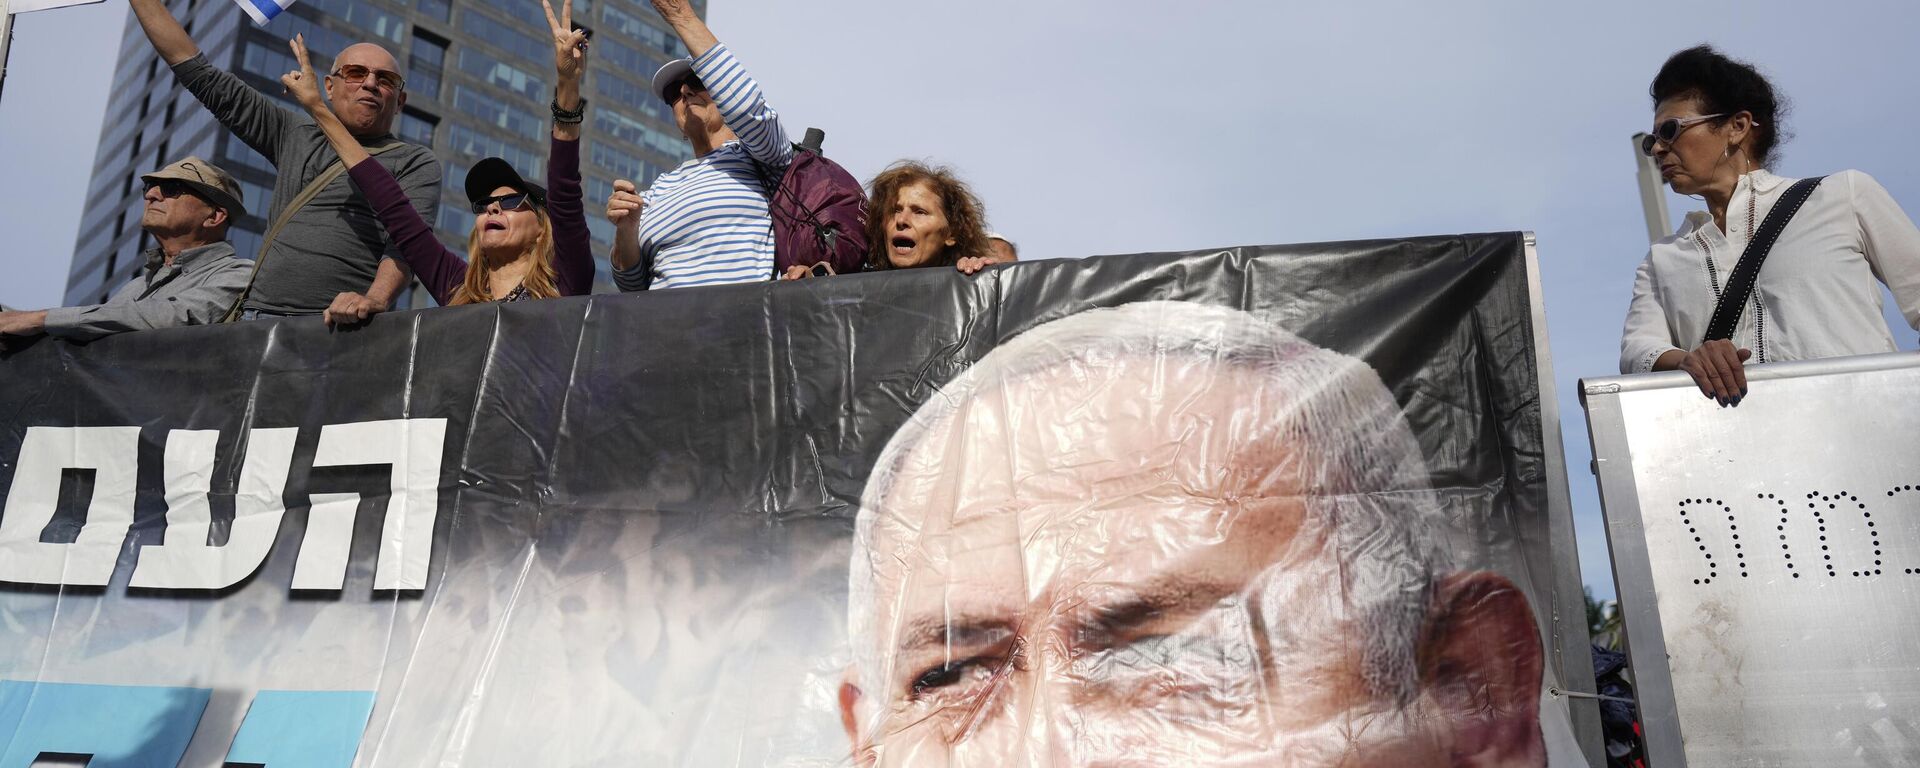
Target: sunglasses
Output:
[(690, 81), (1668, 130), (172, 189), (356, 74), (511, 201)]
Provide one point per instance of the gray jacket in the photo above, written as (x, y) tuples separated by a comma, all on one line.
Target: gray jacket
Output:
[(196, 290), (334, 243)]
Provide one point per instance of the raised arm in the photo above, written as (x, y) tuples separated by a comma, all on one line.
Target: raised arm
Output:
[(164, 31), (692, 30), (252, 117), (439, 269), (738, 96), (572, 243)]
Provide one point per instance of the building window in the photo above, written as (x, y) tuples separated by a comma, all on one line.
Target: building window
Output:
[(630, 26), (456, 175), (417, 127), (600, 229), (239, 155), (511, 39), (256, 198), (616, 90), (454, 220), (427, 57), (499, 73), (322, 43), (628, 58), (438, 9), (263, 58), (513, 119), (530, 15), (622, 165), (361, 15), (597, 190), (467, 145), (631, 131), (246, 242)]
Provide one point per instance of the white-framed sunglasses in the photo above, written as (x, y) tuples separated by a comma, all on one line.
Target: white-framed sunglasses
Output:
[(1670, 129)]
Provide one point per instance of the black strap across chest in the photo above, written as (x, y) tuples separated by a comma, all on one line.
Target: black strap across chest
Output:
[(1726, 313)]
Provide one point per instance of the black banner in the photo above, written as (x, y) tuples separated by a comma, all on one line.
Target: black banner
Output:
[(617, 530)]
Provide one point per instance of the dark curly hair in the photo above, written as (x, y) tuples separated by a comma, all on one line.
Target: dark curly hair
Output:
[(966, 217), (1726, 85)]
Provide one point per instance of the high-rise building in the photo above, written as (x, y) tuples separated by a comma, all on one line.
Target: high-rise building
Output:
[(479, 83)]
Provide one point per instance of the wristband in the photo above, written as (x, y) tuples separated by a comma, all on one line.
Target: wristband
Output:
[(563, 116)]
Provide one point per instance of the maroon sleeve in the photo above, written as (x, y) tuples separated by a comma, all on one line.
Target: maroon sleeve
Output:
[(439, 269), (572, 244)]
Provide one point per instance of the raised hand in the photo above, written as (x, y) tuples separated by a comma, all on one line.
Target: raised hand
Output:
[(569, 44), (301, 83), (623, 206)]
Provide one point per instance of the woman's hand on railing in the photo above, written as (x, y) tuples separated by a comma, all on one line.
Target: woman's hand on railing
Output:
[(1716, 367)]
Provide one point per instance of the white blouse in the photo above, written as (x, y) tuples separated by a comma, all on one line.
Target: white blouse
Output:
[(1816, 295)]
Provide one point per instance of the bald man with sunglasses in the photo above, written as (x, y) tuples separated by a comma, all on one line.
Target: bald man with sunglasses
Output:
[(330, 256)]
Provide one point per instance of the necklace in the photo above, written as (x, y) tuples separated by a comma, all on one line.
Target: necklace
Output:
[(1713, 275)]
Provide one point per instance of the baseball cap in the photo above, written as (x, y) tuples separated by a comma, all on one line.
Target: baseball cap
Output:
[(206, 178), (493, 173), (670, 73)]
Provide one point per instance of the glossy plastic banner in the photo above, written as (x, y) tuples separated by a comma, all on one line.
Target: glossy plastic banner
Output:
[(1283, 505), (1768, 560)]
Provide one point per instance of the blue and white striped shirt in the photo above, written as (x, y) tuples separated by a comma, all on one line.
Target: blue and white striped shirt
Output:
[(706, 222)]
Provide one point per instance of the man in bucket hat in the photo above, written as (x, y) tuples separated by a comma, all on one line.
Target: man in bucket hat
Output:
[(191, 275)]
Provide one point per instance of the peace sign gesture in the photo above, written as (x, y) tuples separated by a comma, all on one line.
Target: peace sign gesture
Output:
[(569, 45), (301, 83)]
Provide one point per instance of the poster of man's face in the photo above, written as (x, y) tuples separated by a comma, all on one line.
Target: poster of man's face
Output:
[(1170, 534), (974, 523)]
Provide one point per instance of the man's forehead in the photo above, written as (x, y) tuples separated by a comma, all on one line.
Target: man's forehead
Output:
[(369, 55), (1154, 429)]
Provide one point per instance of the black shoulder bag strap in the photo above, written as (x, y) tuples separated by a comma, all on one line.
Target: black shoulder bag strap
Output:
[(1726, 313)]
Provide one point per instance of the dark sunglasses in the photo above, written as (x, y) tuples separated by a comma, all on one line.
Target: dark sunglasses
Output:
[(1668, 130), (690, 81), (356, 74), (511, 201), (172, 189)]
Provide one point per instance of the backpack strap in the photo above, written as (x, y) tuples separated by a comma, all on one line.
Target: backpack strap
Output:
[(1726, 313), (307, 194)]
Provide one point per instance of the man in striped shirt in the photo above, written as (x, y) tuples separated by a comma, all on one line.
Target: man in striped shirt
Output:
[(705, 222)]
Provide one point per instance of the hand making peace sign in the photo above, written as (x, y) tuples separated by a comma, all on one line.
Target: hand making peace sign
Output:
[(301, 83), (569, 44)]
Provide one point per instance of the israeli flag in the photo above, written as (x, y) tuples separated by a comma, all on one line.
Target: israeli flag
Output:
[(263, 11)]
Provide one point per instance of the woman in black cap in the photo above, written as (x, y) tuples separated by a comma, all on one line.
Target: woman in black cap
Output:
[(524, 244), (1717, 128)]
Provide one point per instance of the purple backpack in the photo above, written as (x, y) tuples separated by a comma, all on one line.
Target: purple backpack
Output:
[(819, 212)]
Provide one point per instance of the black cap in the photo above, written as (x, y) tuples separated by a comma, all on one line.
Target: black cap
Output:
[(493, 173)]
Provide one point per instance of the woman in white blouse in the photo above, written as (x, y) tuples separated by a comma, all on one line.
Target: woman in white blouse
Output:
[(1818, 293)]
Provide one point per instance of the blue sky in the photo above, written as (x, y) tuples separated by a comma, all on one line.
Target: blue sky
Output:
[(1124, 126)]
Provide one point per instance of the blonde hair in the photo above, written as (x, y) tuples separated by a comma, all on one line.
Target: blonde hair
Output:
[(541, 282)]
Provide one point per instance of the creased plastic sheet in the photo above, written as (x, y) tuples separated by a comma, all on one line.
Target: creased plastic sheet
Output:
[(1264, 506)]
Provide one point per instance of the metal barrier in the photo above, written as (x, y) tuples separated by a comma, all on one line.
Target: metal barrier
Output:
[(1768, 560)]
